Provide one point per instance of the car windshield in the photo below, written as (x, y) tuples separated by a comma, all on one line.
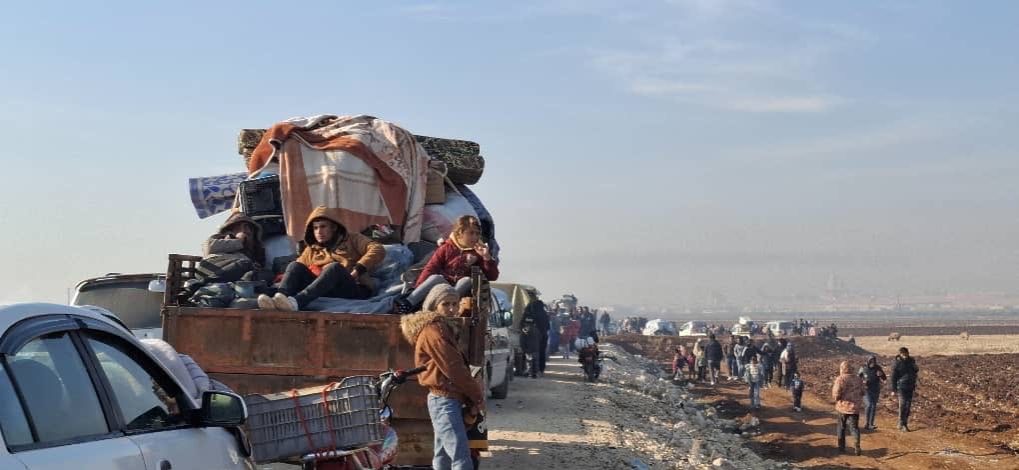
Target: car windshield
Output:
[(132, 302)]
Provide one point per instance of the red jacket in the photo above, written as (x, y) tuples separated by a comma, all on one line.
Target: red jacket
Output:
[(450, 260)]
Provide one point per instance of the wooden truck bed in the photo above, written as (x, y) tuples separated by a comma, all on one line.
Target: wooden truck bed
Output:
[(267, 351)]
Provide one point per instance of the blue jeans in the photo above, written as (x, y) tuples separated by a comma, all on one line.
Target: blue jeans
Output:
[(463, 287), (870, 401), (451, 446), (755, 394)]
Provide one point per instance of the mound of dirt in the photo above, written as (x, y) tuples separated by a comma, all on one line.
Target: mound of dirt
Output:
[(818, 347)]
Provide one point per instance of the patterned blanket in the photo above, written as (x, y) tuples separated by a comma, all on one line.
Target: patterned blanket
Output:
[(215, 194), (368, 171)]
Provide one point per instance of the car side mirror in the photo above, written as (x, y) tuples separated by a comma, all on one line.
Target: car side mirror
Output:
[(157, 285), (222, 409)]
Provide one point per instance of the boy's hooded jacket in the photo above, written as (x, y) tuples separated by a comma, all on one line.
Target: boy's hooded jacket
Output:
[(349, 249), (847, 391), (435, 338)]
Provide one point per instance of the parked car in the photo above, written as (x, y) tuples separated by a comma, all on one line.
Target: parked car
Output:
[(780, 328), (694, 328), (136, 299), (499, 353), (660, 327), (80, 391)]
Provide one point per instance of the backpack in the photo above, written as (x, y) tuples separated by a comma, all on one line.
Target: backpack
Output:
[(223, 268)]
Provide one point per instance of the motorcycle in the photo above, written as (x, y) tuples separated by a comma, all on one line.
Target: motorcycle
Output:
[(590, 361), (374, 457)]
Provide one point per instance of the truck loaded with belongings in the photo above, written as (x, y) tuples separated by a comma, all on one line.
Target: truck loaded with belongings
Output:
[(372, 176)]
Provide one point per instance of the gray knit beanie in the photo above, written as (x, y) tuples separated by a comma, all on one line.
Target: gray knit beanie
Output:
[(436, 295)]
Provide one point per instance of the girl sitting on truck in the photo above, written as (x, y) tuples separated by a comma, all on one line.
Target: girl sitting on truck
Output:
[(334, 263), (452, 262)]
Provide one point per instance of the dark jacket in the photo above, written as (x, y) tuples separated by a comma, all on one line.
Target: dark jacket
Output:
[(587, 324), (904, 374), (750, 352), (537, 313), (530, 337), (224, 243), (713, 351), (872, 377)]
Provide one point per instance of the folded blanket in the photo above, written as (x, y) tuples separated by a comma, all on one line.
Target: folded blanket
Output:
[(368, 170)]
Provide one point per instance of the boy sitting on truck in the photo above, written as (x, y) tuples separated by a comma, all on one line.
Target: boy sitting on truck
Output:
[(447, 376), (334, 263)]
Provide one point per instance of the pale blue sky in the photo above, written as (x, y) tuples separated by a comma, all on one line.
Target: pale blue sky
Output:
[(638, 152)]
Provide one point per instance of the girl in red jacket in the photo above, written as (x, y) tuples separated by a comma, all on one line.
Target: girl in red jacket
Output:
[(452, 262)]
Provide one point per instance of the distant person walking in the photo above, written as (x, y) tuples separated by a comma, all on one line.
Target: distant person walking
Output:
[(738, 350), (536, 312), (605, 320), (789, 363), (904, 379), (780, 377), (796, 385), (702, 360), (713, 355), (848, 392), (754, 377), (679, 363), (873, 375), (730, 358)]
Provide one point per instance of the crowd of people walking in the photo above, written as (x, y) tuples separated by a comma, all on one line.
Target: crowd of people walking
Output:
[(774, 363)]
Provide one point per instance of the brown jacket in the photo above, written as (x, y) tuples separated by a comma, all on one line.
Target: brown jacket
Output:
[(349, 249), (847, 391), (446, 371)]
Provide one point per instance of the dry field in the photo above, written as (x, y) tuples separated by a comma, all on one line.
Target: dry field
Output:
[(948, 345)]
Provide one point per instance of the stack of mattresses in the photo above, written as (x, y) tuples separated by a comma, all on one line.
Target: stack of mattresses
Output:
[(464, 163)]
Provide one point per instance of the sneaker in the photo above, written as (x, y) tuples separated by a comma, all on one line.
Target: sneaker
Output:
[(285, 303), (265, 302)]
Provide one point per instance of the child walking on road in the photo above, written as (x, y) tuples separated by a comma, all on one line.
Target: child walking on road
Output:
[(755, 378), (796, 385)]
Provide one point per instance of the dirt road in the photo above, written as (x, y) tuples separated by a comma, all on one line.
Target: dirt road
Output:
[(559, 421)]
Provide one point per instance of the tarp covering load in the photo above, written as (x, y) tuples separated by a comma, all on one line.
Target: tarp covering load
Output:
[(366, 170)]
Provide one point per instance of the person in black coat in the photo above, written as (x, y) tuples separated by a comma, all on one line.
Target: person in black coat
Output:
[(713, 353), (904, 378), (539, 315)]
